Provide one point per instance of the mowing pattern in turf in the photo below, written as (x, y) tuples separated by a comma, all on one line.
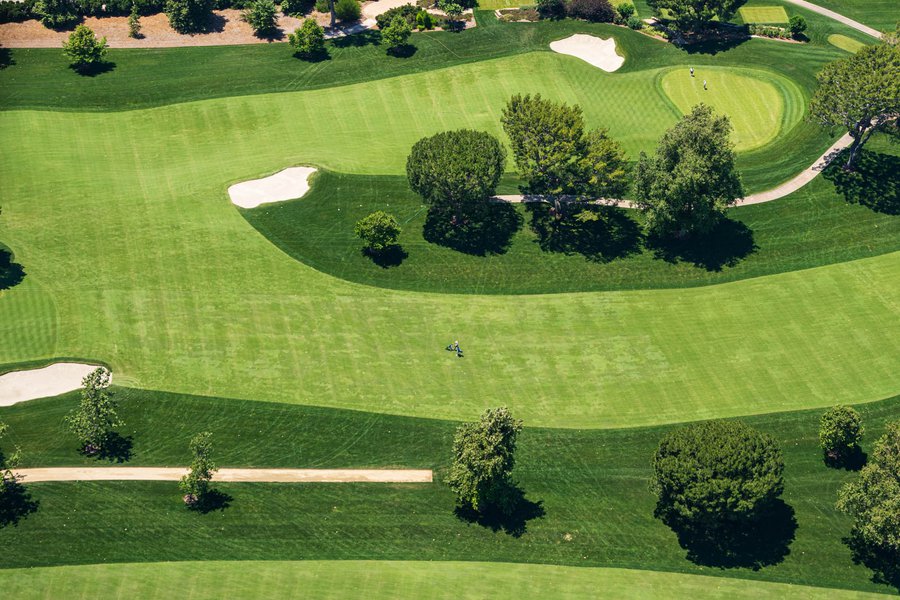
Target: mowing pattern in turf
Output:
[(845, 43), (763, 14)]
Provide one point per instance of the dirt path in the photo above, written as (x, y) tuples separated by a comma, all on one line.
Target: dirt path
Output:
[(837, 17), (775, 193), (252, 475)]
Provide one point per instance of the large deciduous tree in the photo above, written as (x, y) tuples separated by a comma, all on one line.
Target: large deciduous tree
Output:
[(694, 15), (873, 501), (860, 94), (690, 182), (555, 155), (840, 430), (483, 460), (97, 413)]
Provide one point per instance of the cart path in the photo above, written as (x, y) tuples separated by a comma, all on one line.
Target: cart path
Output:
[(837, 17), (788, 187), (249, 475)]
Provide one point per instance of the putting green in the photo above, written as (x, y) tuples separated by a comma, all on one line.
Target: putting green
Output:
[(845, 43), (753, 100), (383, 579), (763, 14)]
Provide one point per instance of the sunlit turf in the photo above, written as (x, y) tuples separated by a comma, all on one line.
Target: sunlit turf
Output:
[(844, 43), (763, 14), (880, 14)]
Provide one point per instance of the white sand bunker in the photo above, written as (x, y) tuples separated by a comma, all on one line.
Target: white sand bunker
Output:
[(284, 185), (595, 51), (53, 380)]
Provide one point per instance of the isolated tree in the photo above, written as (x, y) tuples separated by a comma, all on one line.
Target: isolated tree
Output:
[(555, 155), (797, 25), (712, 474), (483, 460), (261, 16), (379, 231), (84, 48), (859, 94), (396, 34), (97, 413), (456, 171), (873, 501), (690, 182), (134, 22), (308, 39), (840, 430), (195, 484), (695, 15), (189, 16)]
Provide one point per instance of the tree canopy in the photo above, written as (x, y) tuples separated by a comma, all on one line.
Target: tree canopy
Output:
[(712, 473), (483, 460), (308, 39), (378, 230), (189, 16), (693, 15), (84, 48), (97, 413), (840, 430), (195, 484), (261, 16), (859, 94), (396, 34), (690, 182), (555, 155)]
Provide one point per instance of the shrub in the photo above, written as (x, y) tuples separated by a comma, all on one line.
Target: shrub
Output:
[(452, 9), (347, 10), (551, 9), (84, 48), (769, 31), (596, 11), (840, 430), (379, 231), (396, 34), (187, 16), (407, 11), (134, 23), (323, 6), (56, 14), (260, 15), (626, 11), (294, 7), (424, 20), (308, 39), (635, 22), (797, 25)]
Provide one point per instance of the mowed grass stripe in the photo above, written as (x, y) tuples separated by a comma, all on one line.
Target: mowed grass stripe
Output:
[(384, 580)]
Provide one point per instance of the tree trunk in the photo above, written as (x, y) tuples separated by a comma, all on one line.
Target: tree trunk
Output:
[(331, 5), (851, 154)]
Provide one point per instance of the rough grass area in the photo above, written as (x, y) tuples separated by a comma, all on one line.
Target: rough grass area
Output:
[(385, 580), (845, 43), (591, 487), (763, 14)]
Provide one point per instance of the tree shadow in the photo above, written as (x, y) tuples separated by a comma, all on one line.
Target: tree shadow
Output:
[(873, 183), (487, 229), (211, 501), (313, 57), (599, 233), (754, 543), (15, 502), (357, 40), (6, 58), (725, 245), (276, 34), (853, 461), (718, 38), (884, 564), (512, 520), (94, 69), (404, 51), (11, 273), (116, 448), (392, 256)]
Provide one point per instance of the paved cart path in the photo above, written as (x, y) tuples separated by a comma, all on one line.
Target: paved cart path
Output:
[(837, 17), (252, 475), (775, 193)]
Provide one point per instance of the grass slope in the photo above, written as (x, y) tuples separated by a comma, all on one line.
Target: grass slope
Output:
[(383, 580), (592, 486), (880, 14)]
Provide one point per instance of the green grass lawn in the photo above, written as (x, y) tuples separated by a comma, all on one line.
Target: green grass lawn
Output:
[(844, 43), (386, 580), (592, 486), (880, 14), (763, 14)]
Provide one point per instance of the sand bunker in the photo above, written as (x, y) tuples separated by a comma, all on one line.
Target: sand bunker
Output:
[(285, 185), (53, 380), (595, 51)]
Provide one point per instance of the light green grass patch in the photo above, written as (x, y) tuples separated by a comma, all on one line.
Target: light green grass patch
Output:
[(387, 580), (845, 43), (497, 4), (763, 14), (754, 104)]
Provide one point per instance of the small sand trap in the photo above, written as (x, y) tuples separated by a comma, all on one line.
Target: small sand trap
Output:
[(285, 185), (595, 51), (53, 380)]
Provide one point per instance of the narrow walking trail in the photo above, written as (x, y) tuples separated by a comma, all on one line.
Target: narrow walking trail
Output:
[(775, 193), (837, 17), (237, 475)]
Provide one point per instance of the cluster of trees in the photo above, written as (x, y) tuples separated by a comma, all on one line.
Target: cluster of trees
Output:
[(597, 11), (696, 15)]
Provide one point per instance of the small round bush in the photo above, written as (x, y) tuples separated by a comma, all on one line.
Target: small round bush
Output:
[(625, 11), (635, 22), (840, 430), (260, 15), (379, 231), (347, 10), (596, 11), (551, 9), (308, 39), (293, 7)]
